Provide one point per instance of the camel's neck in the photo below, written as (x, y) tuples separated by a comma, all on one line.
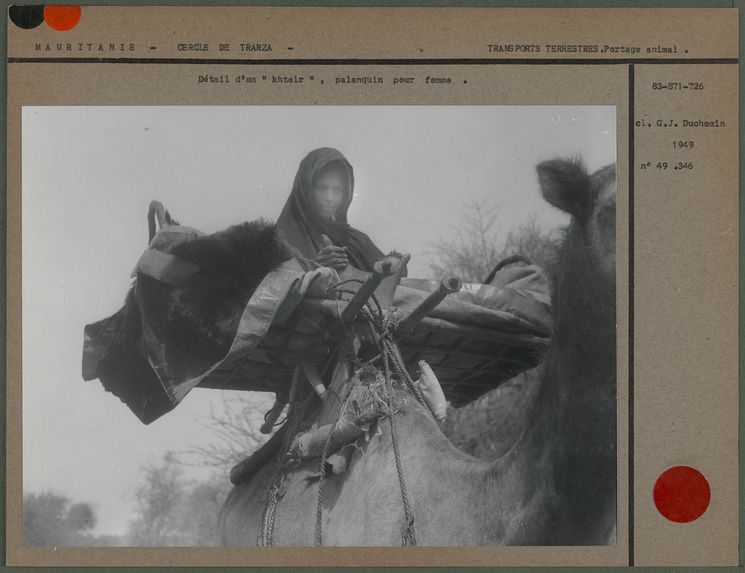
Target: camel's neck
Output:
[(581, 363), (574, 428)]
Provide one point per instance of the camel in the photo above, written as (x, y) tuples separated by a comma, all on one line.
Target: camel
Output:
[(555, 486)]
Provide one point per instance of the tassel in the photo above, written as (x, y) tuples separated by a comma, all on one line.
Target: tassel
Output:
[(408, 535)]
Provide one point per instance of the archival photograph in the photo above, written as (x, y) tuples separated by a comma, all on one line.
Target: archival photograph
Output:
[(337, 326)]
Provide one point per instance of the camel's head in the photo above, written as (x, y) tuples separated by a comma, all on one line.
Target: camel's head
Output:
[(590, 199)]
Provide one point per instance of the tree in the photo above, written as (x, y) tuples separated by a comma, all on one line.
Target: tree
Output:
[(488, 426), (540, 245), (157, 500), (234, 430), (174, 511), (81, 517), (201, 509), (52, 520), (478, 244), (473, 249)]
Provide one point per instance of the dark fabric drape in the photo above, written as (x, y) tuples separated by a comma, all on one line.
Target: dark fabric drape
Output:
[(196, 298), (299, 225)]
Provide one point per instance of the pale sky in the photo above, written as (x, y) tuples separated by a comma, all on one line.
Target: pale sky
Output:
[(89, 174)]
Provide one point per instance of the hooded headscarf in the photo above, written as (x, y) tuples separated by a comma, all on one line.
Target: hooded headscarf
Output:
[(302, 228)]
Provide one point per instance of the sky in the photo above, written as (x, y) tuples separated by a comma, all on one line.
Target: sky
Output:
[(89, 174)]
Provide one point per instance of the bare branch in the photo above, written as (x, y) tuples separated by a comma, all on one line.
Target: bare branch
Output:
[(233, 428), (477, 244)]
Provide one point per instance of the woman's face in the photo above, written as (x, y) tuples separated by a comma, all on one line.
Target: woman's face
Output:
[(327, 194)]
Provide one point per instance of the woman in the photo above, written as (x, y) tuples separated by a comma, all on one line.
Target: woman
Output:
[(314, 219)]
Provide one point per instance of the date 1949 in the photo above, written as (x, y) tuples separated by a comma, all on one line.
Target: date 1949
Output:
[(678, 86)]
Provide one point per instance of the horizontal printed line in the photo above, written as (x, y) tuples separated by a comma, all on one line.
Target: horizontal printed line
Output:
[(373, 61)]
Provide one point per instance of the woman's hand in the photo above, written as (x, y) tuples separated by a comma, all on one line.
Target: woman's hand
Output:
[(332, 256)]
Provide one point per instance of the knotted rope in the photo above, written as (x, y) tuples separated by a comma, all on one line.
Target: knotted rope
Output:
[(324, 457), (265, 537), (408, 534), (385, 325)]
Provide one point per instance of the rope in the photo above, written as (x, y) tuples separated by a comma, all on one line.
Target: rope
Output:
[(408, 533), (292, 413), (282, 350), (265, 537), (385, 324), (324, 457), (266, 531), (403, 374)]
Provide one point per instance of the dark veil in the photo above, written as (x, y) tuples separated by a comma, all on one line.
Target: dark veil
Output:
[(302, 228)]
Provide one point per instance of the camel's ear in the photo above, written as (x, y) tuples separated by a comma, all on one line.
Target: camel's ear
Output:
[(566, 185)]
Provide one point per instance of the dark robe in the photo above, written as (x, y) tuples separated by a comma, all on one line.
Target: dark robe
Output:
[(299, 225)]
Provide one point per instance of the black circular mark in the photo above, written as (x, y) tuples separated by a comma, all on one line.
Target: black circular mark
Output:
[(26, 17)]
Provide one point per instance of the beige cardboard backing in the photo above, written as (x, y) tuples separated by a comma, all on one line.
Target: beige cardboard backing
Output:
[(685, 222), (384, 33)]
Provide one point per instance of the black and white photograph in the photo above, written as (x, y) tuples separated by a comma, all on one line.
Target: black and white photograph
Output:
[(319, 326)]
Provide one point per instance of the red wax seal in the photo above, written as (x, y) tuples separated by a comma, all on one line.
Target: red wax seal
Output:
[(62, 18), (681, 494)]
